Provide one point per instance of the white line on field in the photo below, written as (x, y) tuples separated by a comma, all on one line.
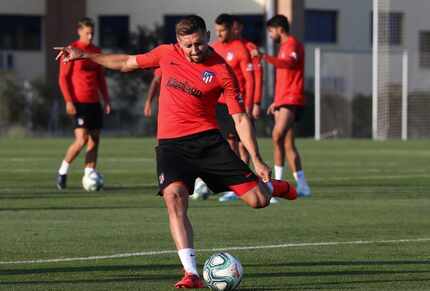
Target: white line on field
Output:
[(238, 248)]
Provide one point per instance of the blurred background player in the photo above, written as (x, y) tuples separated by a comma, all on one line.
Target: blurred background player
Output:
[(237, 30), (153, 92), (81, 83), (189, 141), (235, 53), (289, 101)]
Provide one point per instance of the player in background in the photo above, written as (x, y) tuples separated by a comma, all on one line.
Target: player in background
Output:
[(289, 100), (153, 92), (237, 56), (189, 142), (82, 84), (237, 30)]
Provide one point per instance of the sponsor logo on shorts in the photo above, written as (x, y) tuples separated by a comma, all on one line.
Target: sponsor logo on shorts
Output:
[(80, 121), (208, 77), (161, 178)]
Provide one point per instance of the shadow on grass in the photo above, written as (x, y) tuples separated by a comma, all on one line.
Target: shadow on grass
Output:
[(344, 263)]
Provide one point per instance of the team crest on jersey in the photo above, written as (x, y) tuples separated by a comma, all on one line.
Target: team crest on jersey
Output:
[(229, 56), (208, 77), (294, 55)]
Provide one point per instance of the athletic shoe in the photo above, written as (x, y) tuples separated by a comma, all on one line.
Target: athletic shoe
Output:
[(303, 190), (228, 196), (274, 200), (189, 281), (201, 190), (61, 182)]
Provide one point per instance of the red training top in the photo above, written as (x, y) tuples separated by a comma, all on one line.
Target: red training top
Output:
[(258, 71), (82, 80), (290, 66), (237, 56), (190, 91)]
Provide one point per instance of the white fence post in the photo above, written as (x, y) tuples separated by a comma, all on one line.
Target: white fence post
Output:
[(405, 95), (317, 93)]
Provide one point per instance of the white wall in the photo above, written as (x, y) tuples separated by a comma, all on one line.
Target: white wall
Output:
[(23, 7), (151, 12)]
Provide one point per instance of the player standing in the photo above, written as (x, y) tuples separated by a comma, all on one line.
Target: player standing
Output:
[(289, 100), (189, 142), (236, 55), (81, 84)]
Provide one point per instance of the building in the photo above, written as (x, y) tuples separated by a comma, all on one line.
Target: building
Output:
[(30, 28)]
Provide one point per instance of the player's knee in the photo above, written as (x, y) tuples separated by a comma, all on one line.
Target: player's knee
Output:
[(81, 142), (277, 137)]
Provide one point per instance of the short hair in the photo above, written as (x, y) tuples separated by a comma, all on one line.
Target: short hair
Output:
[(238, 20), (190, 24), (85, 22), (225, 19), (279, 21)]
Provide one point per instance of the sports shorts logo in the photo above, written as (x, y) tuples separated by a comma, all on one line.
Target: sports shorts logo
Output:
[(161, 178), (208, 77), (80, 121)]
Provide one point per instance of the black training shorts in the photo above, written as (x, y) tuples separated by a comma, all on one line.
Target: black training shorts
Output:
[(88, 115), (225, 121), (206, 155)]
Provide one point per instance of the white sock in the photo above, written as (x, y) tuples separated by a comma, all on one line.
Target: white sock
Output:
[(88, 170), (64, 168), (188, 260), (279, 172)]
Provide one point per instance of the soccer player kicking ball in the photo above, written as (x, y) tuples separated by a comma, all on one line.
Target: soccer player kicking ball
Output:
[(81, 83), (189, 142), (289, 100)]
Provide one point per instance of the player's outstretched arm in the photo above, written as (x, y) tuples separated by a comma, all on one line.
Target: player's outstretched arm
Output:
[(120, 62), (246, 134)]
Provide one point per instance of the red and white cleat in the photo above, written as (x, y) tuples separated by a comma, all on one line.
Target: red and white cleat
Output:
[(190, 281)]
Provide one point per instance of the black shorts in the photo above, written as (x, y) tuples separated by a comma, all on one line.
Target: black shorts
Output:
[(88, 115), (225, 121), (206, 155), (298, 111)]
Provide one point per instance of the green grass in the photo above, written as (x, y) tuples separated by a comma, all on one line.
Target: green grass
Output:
[(363, 190)]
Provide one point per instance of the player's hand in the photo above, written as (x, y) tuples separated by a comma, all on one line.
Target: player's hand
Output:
[(262, 170), (271, 109), (69, 53), (256, 111), (107, 108), (70, 109), (147, 111)]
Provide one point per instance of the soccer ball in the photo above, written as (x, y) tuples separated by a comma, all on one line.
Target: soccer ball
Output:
[(93, 181), (222, 271)]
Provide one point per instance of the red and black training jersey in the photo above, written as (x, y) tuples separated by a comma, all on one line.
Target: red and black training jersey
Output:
[(290, 65), (189, 91), (83, 80), (236, 55)]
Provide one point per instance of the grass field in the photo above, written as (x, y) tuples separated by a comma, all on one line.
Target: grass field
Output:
[(375, 192)]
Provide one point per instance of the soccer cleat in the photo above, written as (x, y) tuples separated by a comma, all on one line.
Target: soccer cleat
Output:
[(303, 190), (228, 196), (274, 200), (189, 281), (201, 190), (61, 182), (283, 189)]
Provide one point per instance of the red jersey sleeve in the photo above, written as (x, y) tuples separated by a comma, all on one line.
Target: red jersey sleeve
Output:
[(65, 81), (258, 74), (287, 59), (152, 58), (248, 73), (231, 91)]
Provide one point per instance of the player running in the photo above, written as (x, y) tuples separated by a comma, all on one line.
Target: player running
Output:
[(189, 142), (81, 84), (289, 101)]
